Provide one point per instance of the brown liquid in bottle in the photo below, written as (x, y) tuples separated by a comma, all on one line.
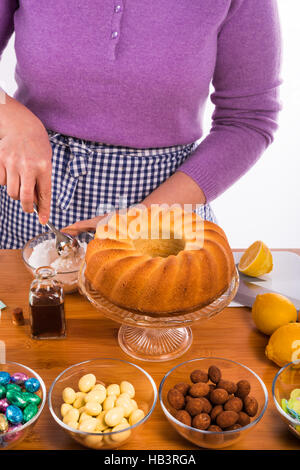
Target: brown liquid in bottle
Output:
[(47, 317), (47, 314)]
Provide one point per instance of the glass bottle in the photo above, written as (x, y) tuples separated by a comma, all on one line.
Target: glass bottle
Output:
[(46, 300)]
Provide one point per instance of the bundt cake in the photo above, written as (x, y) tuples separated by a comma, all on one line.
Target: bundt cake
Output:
[(135, 262)]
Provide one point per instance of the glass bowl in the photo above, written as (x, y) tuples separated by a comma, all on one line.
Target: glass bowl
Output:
[(232, 371), (69, 279), (107, 371), (12, 438), (286, 379), (155, 338)]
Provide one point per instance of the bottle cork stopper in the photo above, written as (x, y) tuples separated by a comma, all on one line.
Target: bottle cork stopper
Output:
[(17, 317)]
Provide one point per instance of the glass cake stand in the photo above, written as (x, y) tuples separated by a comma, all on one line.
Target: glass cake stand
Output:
[(153, 338)]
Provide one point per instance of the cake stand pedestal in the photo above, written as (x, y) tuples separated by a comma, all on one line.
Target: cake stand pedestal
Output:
[(155, 344), (155, 338)]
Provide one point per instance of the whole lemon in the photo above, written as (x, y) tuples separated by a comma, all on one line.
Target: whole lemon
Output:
[(270, 311), (284, 344)]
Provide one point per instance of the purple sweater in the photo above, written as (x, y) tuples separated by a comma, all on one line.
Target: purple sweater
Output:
[(136, 73)]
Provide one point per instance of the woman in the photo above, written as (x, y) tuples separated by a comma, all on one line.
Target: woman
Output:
[(110, 101)]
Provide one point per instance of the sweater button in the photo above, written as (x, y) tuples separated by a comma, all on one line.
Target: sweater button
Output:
[(117, 8), (114, 34)]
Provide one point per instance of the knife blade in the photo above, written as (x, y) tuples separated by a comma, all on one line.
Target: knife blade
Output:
[(248, 291), (249, 278)]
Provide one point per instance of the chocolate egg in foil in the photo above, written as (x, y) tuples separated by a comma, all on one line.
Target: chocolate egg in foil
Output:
[(14, 387), (29, 412), (32, 385), (2, 391), (14, 414), (4, 378), (19, 378), (4, 404), (13, 433), (3, 423), (31, 398), (16, 398)]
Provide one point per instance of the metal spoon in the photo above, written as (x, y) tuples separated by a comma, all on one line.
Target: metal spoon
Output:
[(63, 241)]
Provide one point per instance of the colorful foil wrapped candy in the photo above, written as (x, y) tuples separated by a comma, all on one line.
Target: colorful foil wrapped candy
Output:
[(19, 403)]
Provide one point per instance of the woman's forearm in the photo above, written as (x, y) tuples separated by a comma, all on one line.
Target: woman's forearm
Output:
[(25, 157), (14, 116), (178, 189)]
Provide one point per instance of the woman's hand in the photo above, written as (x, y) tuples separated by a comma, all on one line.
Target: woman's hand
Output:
[(178, 189), (25, 158), (88, 225)]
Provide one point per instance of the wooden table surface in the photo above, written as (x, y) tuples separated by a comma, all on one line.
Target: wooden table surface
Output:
[(231, 334)]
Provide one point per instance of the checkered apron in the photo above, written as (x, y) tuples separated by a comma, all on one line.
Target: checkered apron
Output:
[(90, 179)]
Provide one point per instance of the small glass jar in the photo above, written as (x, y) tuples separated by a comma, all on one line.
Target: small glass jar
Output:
[(46, 300)]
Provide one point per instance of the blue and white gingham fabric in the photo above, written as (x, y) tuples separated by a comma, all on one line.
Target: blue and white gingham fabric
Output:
[(90, 179)]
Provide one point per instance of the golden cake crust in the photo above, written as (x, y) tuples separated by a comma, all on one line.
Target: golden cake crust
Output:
[(144, 276)]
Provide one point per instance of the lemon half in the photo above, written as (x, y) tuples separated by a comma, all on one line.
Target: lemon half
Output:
[(256, 260)]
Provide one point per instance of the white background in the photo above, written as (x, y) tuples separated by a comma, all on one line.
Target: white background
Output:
[(265, 203)]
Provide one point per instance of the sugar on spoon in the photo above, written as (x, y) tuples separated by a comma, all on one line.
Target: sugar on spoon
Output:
[(64, 242)]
